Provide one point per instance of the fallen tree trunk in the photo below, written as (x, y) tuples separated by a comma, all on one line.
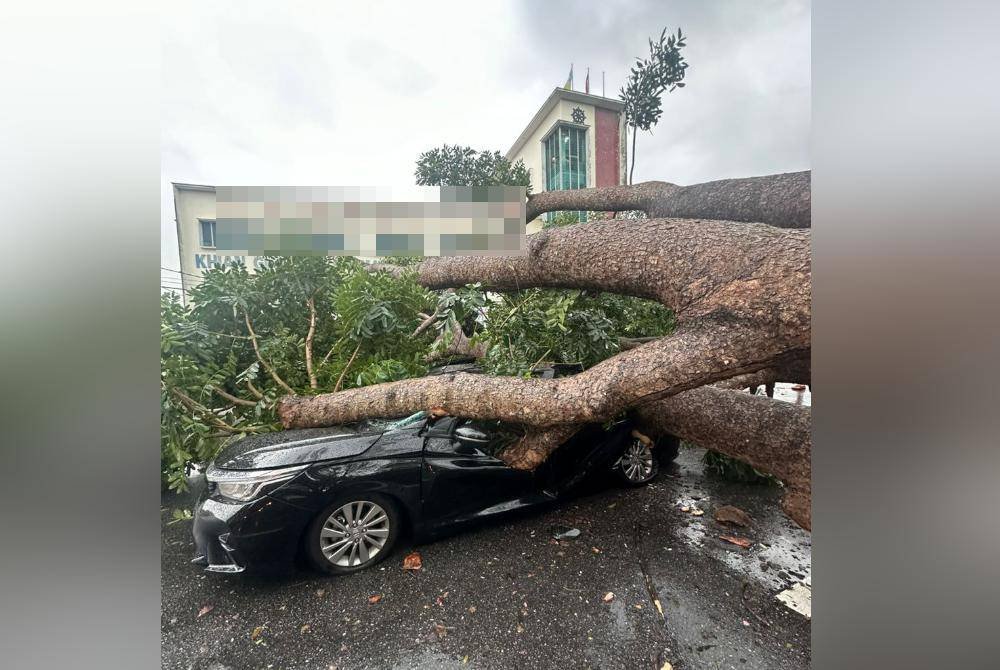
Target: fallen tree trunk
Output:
[(771, 435), (740, 292)]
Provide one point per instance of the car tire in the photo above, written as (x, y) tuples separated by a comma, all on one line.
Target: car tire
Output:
[(336, 542), (637, 465)]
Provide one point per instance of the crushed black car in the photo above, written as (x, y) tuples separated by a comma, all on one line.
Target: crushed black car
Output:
[(340, 497)]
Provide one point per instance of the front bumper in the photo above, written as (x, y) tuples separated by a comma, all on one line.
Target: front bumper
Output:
[(258, 537)]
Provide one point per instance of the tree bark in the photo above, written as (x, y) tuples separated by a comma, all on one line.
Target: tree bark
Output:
[(740, 292), (771, 435), (781, 200)]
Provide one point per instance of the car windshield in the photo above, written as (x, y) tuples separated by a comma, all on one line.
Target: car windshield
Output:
[(408, 421)]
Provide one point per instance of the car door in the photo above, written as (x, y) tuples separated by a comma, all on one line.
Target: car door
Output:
[(591, 451), (464, 480)]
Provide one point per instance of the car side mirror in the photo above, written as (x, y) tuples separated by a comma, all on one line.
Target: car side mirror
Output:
[(471, 437)]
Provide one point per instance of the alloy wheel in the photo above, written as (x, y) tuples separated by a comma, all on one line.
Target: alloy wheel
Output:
[(354, 534), (637, 462)]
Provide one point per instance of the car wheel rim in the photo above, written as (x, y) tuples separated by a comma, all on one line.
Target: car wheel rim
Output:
[(637, 462), (354, 534)]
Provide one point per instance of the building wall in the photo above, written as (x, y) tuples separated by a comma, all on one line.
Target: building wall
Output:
[(608, 146), (605, 144), (192, 203)]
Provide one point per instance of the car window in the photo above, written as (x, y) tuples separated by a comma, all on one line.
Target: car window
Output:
[(411, 420), (501, 435)]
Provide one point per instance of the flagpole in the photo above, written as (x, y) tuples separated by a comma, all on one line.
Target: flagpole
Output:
[(602, 84)]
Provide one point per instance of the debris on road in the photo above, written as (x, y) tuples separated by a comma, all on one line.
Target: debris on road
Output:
[(205, 610), (798, 599), (738, 541), (565, 532), (608, 597), (375, 598), (412, 561), (732, 515)]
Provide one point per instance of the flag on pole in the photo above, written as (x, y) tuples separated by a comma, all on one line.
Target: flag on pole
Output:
[(586, 82), (569, 80)]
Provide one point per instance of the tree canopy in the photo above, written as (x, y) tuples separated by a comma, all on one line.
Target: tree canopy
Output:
[(454, 165)]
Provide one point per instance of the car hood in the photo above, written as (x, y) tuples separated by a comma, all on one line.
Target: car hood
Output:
[(294, 447)]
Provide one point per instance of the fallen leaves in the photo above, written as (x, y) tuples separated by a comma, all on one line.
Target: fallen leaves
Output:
[(375, 598), (441, 630), (738, 541), (694, 511), (257, 635), (472, 609), (608, 597), (305, 628), (205, 610), (412, 561), (667, 666), (659, 607), (732, 515), (320, 593)]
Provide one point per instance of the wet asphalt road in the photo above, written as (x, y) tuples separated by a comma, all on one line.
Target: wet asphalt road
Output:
[(510, 596)]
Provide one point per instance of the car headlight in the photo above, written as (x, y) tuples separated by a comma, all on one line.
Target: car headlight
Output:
[(246, 485)]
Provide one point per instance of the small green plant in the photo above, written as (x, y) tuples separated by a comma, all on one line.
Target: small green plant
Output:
[(179, 515), (732, 470)]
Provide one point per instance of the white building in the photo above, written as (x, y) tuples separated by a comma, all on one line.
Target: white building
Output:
[(574, 140)]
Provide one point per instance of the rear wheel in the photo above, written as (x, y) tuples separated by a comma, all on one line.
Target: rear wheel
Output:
[(637, 466), (353, 533)]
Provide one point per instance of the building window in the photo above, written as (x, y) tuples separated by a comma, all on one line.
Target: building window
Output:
[(207, 233), (565, 159)]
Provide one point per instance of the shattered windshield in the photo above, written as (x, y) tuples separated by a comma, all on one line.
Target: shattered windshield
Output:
[(408, 421)]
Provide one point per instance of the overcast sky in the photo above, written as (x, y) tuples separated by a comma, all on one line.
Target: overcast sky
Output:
[(351, 93)]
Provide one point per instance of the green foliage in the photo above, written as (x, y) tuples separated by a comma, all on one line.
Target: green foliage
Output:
[(363, 325), (663, 70), (560, 219), (732, 470), (452, 165), (528, 327)]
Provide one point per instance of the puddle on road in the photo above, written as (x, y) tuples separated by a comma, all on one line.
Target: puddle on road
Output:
[(781, 553)]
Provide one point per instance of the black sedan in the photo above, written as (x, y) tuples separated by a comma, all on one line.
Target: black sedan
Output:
[(340, 497)]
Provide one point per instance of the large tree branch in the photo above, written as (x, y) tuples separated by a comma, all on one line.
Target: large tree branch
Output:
[(781, 200), (771, 435), (754, 271), (696, 355)]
